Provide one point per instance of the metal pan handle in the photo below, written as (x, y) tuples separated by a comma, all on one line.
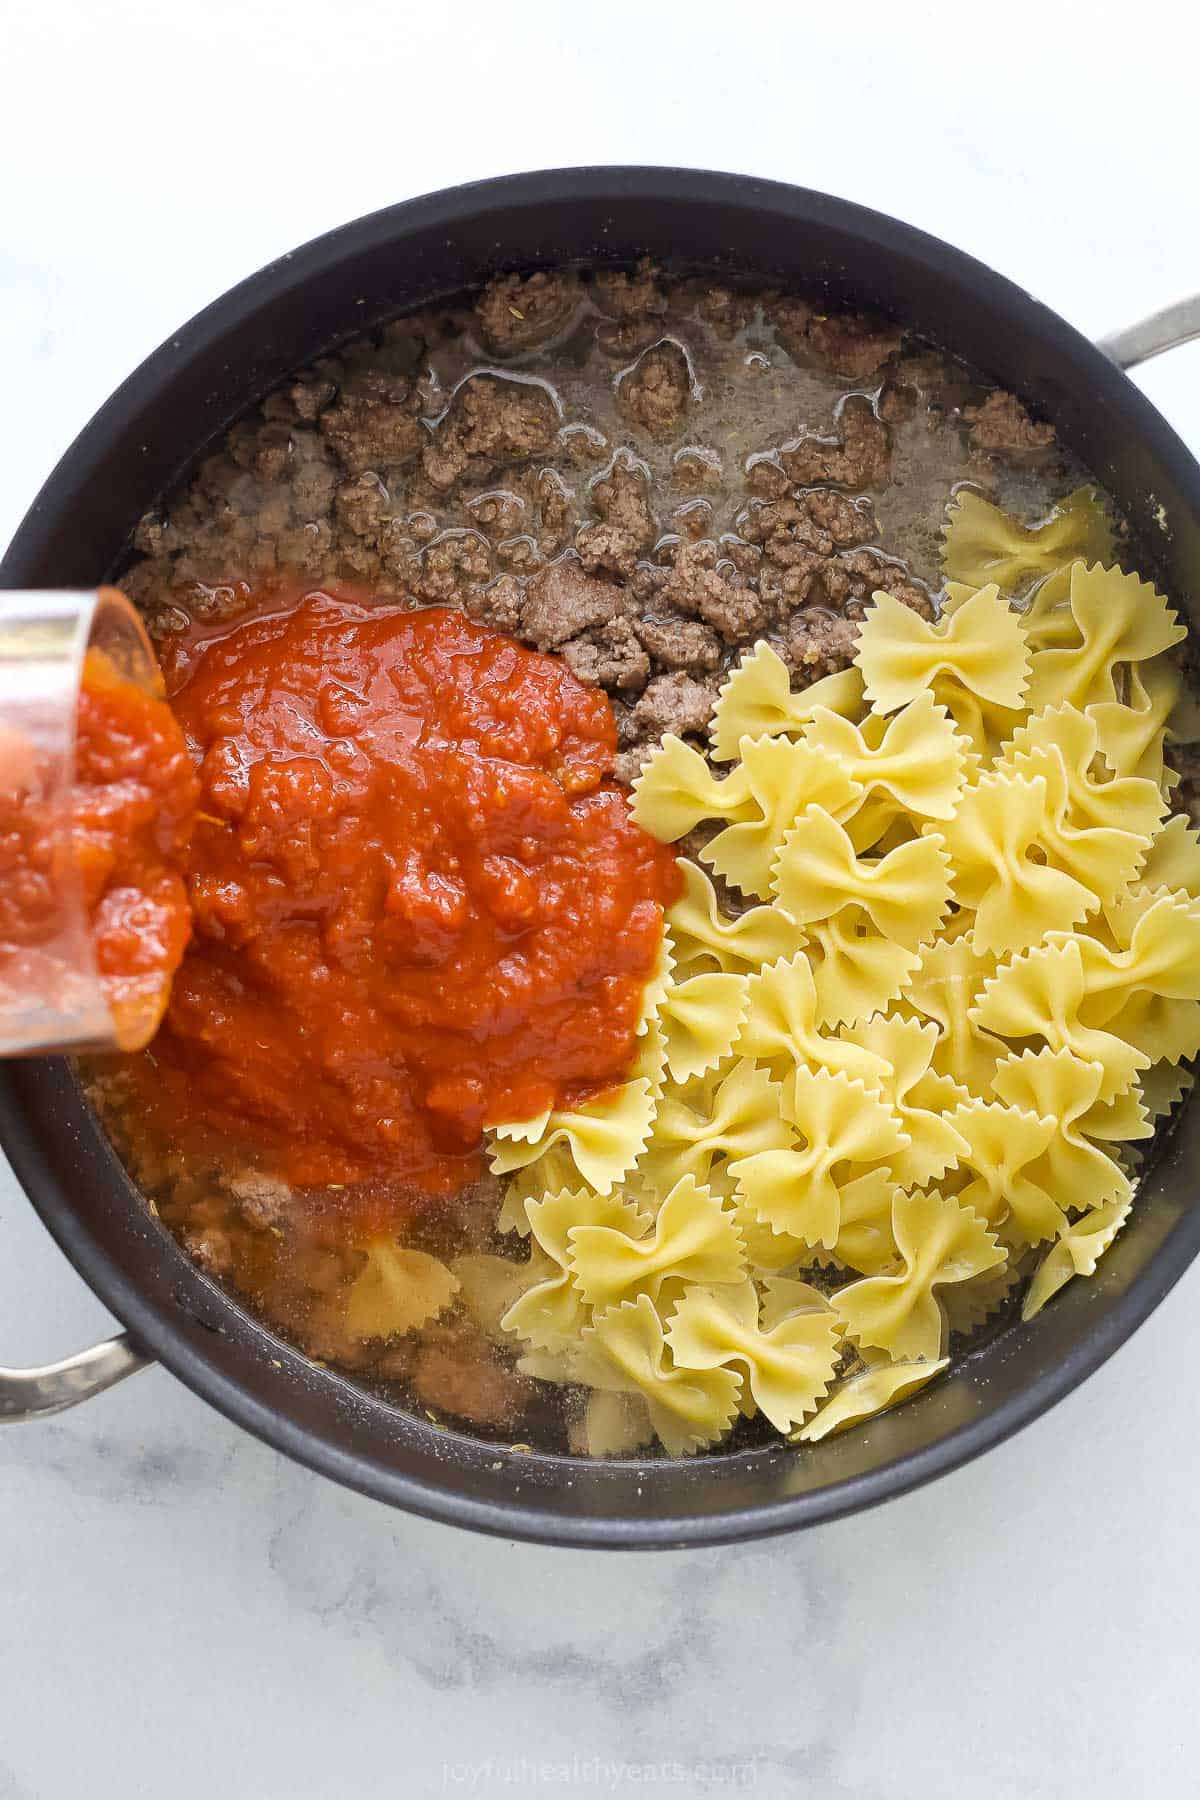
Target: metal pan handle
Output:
[(1164, 330), (36, 1393)]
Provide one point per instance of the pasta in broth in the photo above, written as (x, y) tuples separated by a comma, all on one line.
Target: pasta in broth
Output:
[(904, 1076)]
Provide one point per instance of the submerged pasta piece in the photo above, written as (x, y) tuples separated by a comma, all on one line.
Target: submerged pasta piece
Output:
[(1118, 618), (625, 1350), (786, 1366), (940, 1241), (548, 1174), (868, 1393), (905, 893), (1159, 1089), (612, 1425), (839, 1123), (784, 778), (396, 1291), (692, 1239), (981, 543), (970, 1304), (997, 844), (978, 649), (1077, 1252), (757, 701), (488, 1286)]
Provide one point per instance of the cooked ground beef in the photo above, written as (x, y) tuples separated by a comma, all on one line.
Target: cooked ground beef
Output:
[(1002, 424), (373, 421), (655, 391), (490, 422), (604, 546), (563, 601), (679, 643), (732, 481), (625, 296), (264, 1200), (851, 344), (859, 458), (515, 312), (609, 655), (819, 521), (675, 703), (455, 1370)]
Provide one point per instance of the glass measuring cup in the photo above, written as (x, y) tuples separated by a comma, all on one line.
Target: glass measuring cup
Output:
[(51, 993)]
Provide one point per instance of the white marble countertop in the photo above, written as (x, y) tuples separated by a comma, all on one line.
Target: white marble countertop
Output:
[(183, 1611)]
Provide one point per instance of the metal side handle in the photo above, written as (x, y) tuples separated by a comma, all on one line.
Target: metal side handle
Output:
[(36, 1393), (1164, 330)]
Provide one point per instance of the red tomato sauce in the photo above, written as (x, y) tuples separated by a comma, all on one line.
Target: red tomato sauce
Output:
[(117, 841), (419, 907)]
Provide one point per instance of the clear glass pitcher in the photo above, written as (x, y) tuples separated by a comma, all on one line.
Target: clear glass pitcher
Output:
[(51, 995)]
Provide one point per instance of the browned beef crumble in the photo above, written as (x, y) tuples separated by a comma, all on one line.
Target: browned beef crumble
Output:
[(610, 656), (606, 547), (455, 1369), (852, 344), (1002, 424), (859, 457), (515, 312), (563, 601), (655, 391), (630, 296), (490, 421), (750, 473), (373, 421)]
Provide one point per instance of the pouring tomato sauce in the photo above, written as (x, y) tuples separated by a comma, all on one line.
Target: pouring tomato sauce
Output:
[(114, 842), (419, 906)]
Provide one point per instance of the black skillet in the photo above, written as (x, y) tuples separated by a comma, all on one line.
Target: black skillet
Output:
[(149, 434)]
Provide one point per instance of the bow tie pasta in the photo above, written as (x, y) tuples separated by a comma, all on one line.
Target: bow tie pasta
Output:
[(943, 976)]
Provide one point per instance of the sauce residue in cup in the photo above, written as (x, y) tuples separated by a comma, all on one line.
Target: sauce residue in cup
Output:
[(111, 845)]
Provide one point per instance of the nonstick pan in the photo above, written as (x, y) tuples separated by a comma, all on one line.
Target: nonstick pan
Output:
[(149, 435)]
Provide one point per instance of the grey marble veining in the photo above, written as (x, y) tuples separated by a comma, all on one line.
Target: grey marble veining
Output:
[(183, 1612)]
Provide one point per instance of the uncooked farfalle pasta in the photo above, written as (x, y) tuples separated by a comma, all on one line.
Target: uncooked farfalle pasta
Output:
[(933, 977)]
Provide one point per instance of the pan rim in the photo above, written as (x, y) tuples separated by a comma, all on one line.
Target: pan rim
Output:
[(153, 1326)]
